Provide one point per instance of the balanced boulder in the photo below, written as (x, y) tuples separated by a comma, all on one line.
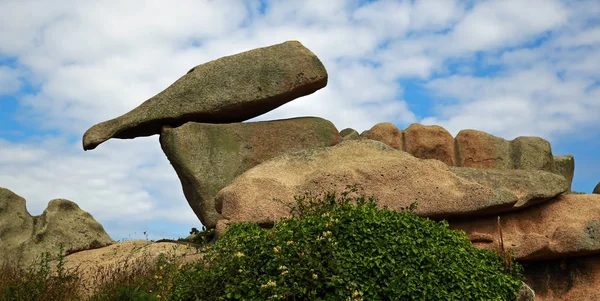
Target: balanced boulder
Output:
[(23, 237), (230, 89), (208, 157), (395, 177)]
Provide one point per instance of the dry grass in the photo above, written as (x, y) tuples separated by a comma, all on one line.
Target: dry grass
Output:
[(148, 277)]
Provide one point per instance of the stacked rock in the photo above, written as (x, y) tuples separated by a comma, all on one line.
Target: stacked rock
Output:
[(233, 171)]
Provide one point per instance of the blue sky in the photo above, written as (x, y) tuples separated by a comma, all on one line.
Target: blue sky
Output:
[(509, 68)]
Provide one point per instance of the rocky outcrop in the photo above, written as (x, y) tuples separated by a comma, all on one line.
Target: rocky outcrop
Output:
[(230, 89), (395, 177), (567, 226), (472, 148), (231, 171), (208, 157), (24, 237), (596, 189)]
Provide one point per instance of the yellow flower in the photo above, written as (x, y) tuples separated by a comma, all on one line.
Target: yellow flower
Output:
[(276, 249), (239, 254), (315, 276), (290, 242), (269, 284)]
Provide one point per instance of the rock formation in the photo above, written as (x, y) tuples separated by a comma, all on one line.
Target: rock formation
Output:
[(230, 171), (24, 237), (566, 226), (596, 189), (208, 157), (230, 89), (395, 177)]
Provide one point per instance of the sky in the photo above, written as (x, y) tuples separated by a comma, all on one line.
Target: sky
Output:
[(508, 68)]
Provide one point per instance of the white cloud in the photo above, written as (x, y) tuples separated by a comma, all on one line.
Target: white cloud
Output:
[(435, 15), (504, 23)]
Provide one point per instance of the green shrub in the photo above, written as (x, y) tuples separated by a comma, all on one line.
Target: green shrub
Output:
[(332, 249), (202, 237)]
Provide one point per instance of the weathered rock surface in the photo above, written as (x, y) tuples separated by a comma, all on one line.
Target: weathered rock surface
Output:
[(230, 89), (429, 142), (566, 226), (208, 157), (472, 148), (596, 189), (532, 153), (349, 133), (387, 133), (482, 150), (571, 278), (530, 186), (123, 256), (24, 237), (395, 177), (565, 166)]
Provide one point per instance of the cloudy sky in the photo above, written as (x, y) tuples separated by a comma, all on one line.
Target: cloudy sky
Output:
[(509, 68)]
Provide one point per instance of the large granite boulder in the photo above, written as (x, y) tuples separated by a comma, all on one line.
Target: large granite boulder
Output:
[(566, 226), (596, 189), (429, 142), (482, 150), (208, 157), (387, 133), (230, 89), (24, 237), (395, 177)]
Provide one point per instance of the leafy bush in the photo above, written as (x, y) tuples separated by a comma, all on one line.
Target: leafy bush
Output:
[(332, 249), (202, 237)]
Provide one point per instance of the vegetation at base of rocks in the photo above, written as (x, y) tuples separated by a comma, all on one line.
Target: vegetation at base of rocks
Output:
[(329, 249), (332, 249), (147, 279), (200, 237)]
